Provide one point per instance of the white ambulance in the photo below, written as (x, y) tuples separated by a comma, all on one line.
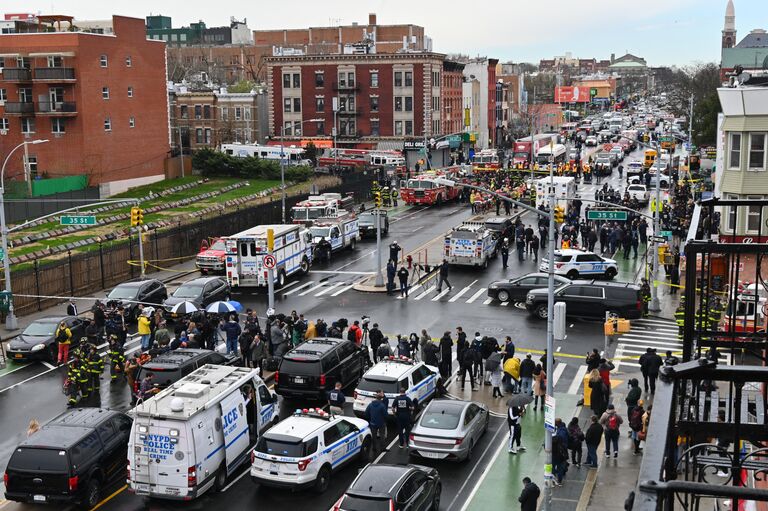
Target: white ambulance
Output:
[(196, 433)]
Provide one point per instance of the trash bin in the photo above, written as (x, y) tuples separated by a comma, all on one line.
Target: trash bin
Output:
[(587, 391)]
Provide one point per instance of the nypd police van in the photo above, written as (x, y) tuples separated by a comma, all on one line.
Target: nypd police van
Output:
[(390, 375), (194, 434), (307, 447), (574, 264)]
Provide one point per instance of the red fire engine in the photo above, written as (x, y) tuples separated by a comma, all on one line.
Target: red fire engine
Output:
[(426, 189)]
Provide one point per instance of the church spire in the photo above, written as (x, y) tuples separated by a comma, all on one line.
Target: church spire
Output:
[(729, 27)]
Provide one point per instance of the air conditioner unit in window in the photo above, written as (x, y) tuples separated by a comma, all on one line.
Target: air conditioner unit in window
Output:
[(2, 102), (3, 132)]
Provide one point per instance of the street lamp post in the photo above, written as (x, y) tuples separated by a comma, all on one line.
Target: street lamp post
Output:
[(282, 165), (10, 319)]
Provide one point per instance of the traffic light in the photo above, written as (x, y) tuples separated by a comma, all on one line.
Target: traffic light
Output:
[(559, 214), (137, 217), (377, 199)]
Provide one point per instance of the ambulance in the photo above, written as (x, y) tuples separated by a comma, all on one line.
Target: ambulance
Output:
[(196, 434), (470, 244)]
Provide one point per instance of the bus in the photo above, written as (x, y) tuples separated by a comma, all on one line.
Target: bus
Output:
[(553, 153), (293, 155)]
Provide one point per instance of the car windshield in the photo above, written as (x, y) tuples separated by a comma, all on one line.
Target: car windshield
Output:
[(357, 503), (122, 293), (219, 245), (320, 232), (369, 384), (441, 417), (188, 291), (40, 328), (53, 460)]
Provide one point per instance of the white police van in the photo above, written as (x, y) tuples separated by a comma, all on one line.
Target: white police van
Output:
[(574, 264), (197, 432), (390, 375), (305, 448)]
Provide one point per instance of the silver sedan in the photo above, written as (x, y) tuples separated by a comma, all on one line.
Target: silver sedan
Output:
[(448, 430)]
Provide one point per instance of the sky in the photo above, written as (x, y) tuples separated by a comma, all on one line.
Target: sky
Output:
[(664, 32)]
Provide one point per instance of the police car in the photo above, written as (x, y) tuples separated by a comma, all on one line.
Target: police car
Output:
[(575, 264), (305, 448), (390, 375)]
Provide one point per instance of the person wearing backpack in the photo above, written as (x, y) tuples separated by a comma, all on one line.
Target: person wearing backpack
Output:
[(636, 425), (64, 340), (355, 333), (633, 396), (611, 422), (559, 452), (575, 441)]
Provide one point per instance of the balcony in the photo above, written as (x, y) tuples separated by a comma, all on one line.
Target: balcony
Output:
[(348, 113), (17, 108), (346, 86), (57, 108), (17, 74), (55, 74)]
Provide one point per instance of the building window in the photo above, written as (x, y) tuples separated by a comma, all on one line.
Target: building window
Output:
[(320, 127), (103, 61), (224, 113), (757, 151), (55, 61), (297, 128), (734, 155), (287, 104), (351, 103), (198, 111), (32, 163), (107, 124), (238, 113), (4, 124), (3, 95), (375, 131), (342, 79), (199, 135), (183, 112), (409, 79), (27, 125), (23, 62), (398, 104), (287, 128), (25, 95), (297, 104), (732, 212), (57, 126), (409, 127), (398, 78), (247, 113), (105, 93), (130, 92), (754, 216), (207, 135), (286, 81), (374, 79), (408, 104), (374, 103), (206, 111), (320, 104), (2, 62), (131, 122), (343, 104), (351, 79), (296, 80), (128, 62), (399, 128), (319, 79)]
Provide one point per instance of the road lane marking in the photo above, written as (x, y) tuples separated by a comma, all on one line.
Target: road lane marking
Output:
[(311, 289), (440, 295), (462, 292), (235, 480), (476, 295), (469, 477), (559, 368), (48, 365), (299, 288), (329, 288), (353, 261), (482, 477), (505, 304), (289, 284), (25, 366), (345, 288), (336, 272), (115, 494), (487, 301), (426, 292), (581, 371)]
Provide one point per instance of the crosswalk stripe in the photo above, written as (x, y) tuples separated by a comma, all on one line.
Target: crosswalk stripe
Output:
[(311, 289), (559, 368), (425, 293), (487, 301), (476, 295), (576, 383), (656, 321), (460, 293), (440, 295), (299, 288), (289, 284), (505, 304), (329, 288), (650, 340), (345, 288), (655, 328)]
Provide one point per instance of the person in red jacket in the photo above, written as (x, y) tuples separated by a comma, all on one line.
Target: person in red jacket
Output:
[(355, 333)]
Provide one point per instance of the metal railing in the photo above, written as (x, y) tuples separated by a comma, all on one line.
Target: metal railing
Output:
[(54, 73), (16, 107), (61, 107), (17, 74)]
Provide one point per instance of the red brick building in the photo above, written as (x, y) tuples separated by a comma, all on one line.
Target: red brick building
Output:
[(380, 96), (99, 99), (451, 95)]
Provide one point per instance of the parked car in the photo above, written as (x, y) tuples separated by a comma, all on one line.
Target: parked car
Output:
[(633, 168), (313, 367), (382, 487), (449, 429), (202, 292), (130, 294), (515, 290), (366, 222), (573, 263), (170, 367), (38, 340), (71, 459), (590, 299)]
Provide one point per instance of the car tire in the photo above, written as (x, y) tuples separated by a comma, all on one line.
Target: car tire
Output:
[(503, 295), (468, 457), (280, 279), (304, 266), (610, 273), (365, 451), (541, 311), (353, 243), (323, 479), (92, 494), (220, 479), (436, 498), (572, 275)]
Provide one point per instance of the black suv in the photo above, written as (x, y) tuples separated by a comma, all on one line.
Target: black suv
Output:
[(150, 292), (202, 292), (314, 366), (71, 459), (172, 366), (590, 298)]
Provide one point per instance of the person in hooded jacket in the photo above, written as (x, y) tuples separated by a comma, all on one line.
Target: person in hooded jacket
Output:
[(575, 441), (446, 355), (633, 396), (599, 394)]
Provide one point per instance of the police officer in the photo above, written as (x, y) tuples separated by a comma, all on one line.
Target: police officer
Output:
[(394, 195), (95, 368), (680, 319), (336, 399), (116, 357), (402, 406), (504, 252)]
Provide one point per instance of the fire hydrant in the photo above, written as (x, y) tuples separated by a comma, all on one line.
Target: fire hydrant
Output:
[(409, 260)]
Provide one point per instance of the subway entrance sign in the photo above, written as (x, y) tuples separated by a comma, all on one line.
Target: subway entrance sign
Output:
[(606, 215), (77, 220)]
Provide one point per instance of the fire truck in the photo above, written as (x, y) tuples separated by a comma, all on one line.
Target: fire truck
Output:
[(746, 310), (487, 159), (426, 190), (211, 258), (361, 158), (316, 206)]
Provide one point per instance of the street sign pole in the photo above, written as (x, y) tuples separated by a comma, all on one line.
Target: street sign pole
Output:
[(550, 336), (379, 277), (11, 322), (270, 271), (655, 305), (141, 250)]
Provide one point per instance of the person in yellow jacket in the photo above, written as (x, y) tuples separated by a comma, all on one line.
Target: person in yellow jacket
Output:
[(63, 338), (512, 374), (311, 332), (472, 199), (145, 330)]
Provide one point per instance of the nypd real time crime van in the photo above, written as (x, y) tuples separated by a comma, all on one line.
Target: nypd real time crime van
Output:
[(390, 375), (193, 435), (307, 447)]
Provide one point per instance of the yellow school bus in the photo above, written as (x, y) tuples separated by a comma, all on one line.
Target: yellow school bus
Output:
[(650, 157)]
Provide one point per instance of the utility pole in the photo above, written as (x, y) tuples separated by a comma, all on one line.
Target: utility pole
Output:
[(27, 171), (550, 335), (270, 271), (335, 106), (690, 132), (379, 277), (282, 175), (655, 305)]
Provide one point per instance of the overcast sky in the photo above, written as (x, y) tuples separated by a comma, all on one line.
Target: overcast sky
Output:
[(664, 32)]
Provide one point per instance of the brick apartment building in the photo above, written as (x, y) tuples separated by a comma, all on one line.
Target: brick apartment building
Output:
[(453, 109), (99, 99), (380, 96)]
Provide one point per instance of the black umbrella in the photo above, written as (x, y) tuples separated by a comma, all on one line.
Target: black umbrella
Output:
[(519, 400)]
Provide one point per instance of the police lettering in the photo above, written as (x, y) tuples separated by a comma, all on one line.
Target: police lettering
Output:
[(230, 417)]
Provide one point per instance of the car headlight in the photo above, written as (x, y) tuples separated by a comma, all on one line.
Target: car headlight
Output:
[(529, 298), (38, 347), (493, 286)]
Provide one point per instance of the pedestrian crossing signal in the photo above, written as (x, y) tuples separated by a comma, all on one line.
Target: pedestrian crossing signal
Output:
[(559, 214), (137, 217)]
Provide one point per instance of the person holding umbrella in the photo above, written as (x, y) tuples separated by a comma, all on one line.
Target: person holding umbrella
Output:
[(515, 411), (493, 367)]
